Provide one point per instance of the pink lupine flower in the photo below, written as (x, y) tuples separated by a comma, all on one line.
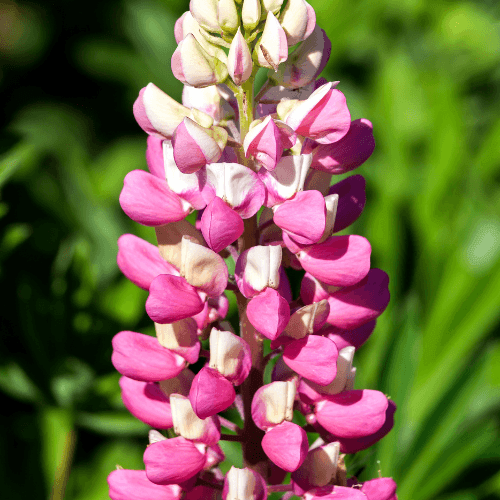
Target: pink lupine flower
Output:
[(272, 404), (298, 20), (126, 484), (244, 483), (173, 461), (348, 153), (381, 488)]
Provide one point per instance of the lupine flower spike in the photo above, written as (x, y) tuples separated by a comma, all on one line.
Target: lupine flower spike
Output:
[(257, 172)]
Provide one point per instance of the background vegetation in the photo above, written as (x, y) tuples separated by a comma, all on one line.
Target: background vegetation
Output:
[(426, 72)]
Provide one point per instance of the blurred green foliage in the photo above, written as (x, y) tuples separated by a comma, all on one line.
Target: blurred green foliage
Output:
[(426, 73)]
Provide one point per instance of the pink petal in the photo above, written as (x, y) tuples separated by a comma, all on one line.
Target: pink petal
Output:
[(354, 306), (141, 357), (141, 261), (269, 313), (334, 493), (381, 488), (172, 461), (352, 199), (146, 199), (338, 261), (147, 402), (220, 225), (126, 484), (171, 299), (353, 414), (311, 290), (313, 358), (303, 217), (349, 152), (346, 338), (154, 156), (210, 393), (355, 445), (286, 445)]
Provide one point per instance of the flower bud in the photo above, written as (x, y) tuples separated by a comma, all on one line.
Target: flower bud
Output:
[(206, 14), (273, 403), (205, 99), (243, 484), (228, 15), (250, 14), (188, 425), (239, 63), (273, 6), (193, 65), (195, 146), (305, 64), (298, 20), (272, 49), (230, 355)]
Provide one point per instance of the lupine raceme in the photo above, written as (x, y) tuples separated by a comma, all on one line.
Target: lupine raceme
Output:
[(257, 170)]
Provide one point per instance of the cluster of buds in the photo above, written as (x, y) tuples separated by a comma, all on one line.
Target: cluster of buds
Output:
[(257, 171)]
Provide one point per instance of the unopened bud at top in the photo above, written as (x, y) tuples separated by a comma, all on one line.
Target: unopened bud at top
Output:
[(206, 13), (250, 14), (298, 20), (228, 15), (239, 63), (272, 5), (272, 49)]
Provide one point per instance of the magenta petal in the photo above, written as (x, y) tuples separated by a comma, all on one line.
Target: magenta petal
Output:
[(154, 156), (313, 358), (303, 217), (286, 445), (349, 152), (354, 306), (338, 261), (346, 338), (220, 225), (269, 313), (381, 488), (353, 414), (210, 393), (284, 287), (147, 402), (126, 484), (141, 261), (172, 461), (146, 199), (355, 445), (141, 357), (311, 290), (171, 299), (187, 154), (352, 199), (334, 493)]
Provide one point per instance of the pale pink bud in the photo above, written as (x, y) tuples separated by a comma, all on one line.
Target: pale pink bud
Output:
[(146, 401), (228, 15), (307, 319), (188, 425), (250, 14), (187, 186), (206, 13), (230, 355), (148, 200), (318, 469), (267, 140), (313, 357), (323, 117), (381, 488), (235, 184), (203, 268), (349, 152), (193, 65), (352, 199), (174, 460), (272, 404), (172, 298), (305, 63), (339, 261), (272, 49), (243, 484), (286, 179), (331, 492), (272, 5), (206, 99), (157, 113), (194, 146), (353, 414), (210, 393), (180, 337), (286, 445), (345, 338), (141, 357), (220, 225), (141, 261), (258, 268), (298, 20), (126, 484), (239, 63)]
